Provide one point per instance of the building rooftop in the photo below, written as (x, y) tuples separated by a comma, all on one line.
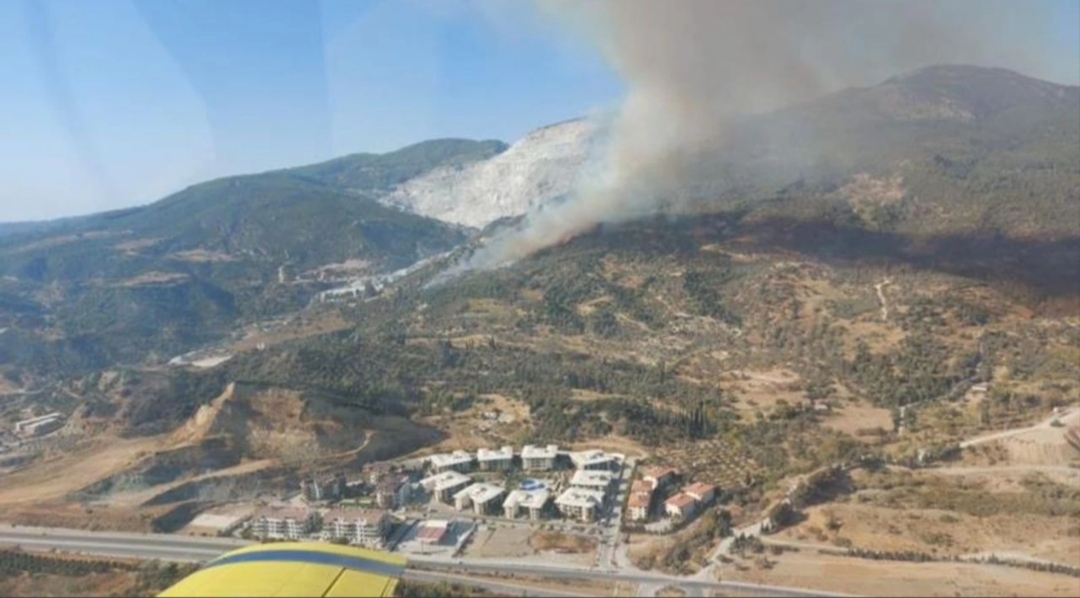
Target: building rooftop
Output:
[(591, 479), (356, 513), (699, 488), (444, 480), (680, 500), (638, 500), (641, 487), (451, 459), (506, 452), (480, 493), (576, 497), (432, 531), (593, 457), (657, 472), (297, 513), (530, 499), (540, 452)]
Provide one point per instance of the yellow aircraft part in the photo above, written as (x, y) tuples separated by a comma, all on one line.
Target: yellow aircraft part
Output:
[(294, 569)]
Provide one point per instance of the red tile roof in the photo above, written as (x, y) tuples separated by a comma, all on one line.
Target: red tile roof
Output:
[(638, 500), (700, 488), (680, 501)]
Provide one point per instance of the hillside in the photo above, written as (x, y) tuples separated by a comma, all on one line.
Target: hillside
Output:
[(157, 280), (945, 149)]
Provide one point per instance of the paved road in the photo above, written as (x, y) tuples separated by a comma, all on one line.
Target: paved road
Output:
[(196, 549)]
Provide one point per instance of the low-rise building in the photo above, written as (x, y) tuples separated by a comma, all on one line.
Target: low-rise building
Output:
[(592, 480), (497, 460), (659, 477), (459, 461), (330, 488), (284, 523), (532, 503), (539, 458), (701, 492), (444, 485), (432, 532), (637, 506), (583, 505), (482, 498), (377, 471), (365, 527), (680, 506), (596, 460), (393, 491), (41, 425)]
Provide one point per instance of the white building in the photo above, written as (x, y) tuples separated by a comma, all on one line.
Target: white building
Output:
[(532, 502), (539, 458), (366, 527), (497, 460), (481, 497), (459, 461), (444, 485), (592, 480), (595, 459), (289, 523), (580, 504), (37, 426)]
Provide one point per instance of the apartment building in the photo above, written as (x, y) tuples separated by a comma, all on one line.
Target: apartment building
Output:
[(532, 503), (701, 492), (495, 460), (592, 480), (364, 527), (583, 505), (393, 491), (596, 460), (459, 461), (680, 506), (539, 458), (290, 523), (482, 498), (659, 477), (637, 506), (444, 485)]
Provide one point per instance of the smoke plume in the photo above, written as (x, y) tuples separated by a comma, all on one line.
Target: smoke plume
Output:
[(695, 65)]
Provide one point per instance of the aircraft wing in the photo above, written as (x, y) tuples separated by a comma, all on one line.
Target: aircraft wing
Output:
[(294, 569)]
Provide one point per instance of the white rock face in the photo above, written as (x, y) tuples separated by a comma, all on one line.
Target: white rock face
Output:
[(541, 166)]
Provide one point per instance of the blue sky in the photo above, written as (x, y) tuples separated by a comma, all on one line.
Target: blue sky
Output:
[(110, 103)]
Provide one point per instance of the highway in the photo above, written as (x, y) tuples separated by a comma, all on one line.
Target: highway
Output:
[(188, 549)]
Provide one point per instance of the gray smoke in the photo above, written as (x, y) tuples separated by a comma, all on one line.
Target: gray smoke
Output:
[(695, 65)]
